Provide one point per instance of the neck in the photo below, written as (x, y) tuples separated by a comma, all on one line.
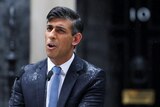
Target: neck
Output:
[(60, 61)]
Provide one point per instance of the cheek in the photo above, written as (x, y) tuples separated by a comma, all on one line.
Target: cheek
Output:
[(67, 43)]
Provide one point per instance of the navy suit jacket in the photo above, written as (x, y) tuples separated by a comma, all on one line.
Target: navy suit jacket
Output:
[(84, 86)]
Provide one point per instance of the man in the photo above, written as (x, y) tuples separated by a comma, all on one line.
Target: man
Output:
[(81, 83)]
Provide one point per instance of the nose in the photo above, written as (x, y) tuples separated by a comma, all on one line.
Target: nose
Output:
[(52, 34)]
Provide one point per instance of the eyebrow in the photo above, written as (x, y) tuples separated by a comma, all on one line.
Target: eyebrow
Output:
[(60, 27)]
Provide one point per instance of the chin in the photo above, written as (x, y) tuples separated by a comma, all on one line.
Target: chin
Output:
[(50, 55)]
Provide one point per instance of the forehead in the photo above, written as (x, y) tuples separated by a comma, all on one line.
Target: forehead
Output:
[(60, 22)]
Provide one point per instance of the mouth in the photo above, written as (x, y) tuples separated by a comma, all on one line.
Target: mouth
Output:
[(51, 46)]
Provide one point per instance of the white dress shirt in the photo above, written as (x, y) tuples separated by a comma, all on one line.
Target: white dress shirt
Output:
[(64, 68)]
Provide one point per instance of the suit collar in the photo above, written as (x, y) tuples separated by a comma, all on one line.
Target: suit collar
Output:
[(77, 64), (70, 80)]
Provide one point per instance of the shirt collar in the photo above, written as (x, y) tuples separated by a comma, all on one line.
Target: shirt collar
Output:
[(65, 66)]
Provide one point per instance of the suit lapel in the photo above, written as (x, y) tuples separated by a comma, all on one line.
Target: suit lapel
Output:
[(41, 83), (70, 80)]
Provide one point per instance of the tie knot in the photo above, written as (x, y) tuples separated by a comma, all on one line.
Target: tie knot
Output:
[(56, 70)]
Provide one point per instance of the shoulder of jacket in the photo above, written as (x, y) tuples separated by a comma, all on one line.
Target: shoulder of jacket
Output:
[(28, 67), (91, 67)]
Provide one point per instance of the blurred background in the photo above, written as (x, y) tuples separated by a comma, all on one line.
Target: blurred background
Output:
[(120, 36)]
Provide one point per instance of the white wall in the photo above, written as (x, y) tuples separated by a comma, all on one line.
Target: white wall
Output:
[(39, 10)]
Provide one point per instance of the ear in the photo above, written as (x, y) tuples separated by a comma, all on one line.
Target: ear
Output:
[(76, 39)]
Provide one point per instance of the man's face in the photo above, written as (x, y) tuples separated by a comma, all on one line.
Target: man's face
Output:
[(59, 40)]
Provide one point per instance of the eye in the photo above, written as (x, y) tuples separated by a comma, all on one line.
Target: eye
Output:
[(49, 28), (60, 30)]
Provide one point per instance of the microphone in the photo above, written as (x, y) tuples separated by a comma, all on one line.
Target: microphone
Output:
[(50, 73)]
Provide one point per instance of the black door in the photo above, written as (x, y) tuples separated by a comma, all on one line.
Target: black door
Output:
[(128, 35)]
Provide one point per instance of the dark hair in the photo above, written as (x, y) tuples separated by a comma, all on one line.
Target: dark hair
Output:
[(66, 13)]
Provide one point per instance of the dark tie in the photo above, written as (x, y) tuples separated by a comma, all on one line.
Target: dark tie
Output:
[(53, 99)]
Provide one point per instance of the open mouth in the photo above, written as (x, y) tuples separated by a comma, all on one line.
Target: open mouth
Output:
[(51, 45)]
